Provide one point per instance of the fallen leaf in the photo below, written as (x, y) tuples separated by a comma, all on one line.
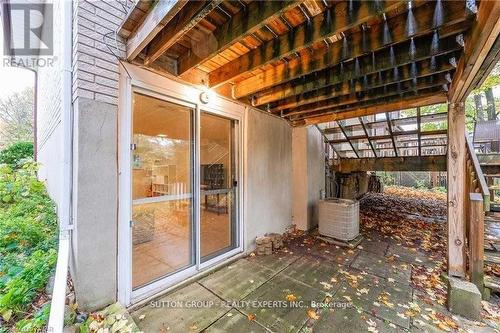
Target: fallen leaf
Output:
[(311, 313)]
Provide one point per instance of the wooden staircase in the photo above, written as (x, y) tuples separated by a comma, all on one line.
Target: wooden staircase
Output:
[(485, 168), (482, 222)]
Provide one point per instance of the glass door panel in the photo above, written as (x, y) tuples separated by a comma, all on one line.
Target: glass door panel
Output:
[(218, 181), (162, 183)]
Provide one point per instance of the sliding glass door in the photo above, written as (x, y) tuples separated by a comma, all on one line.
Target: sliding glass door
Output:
[(162, 183), (184, 178), (218, 181)]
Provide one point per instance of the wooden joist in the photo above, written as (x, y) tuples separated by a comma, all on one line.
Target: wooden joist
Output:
[(378, 80), (190, 16), (388, 136), (423, 100), (366, 65), (384, 92), (332, 21), (247, 21), (360, 43), (406, 163), (159, 16), (390, 97)]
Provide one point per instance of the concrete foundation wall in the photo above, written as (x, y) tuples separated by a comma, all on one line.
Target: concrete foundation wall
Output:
[(268, 173), (308, 176), (95, 203)]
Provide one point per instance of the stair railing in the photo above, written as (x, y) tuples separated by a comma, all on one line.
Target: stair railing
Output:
[(477, 202)]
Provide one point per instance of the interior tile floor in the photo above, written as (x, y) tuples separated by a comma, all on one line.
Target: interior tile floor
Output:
[(168, 247), (365, 289)]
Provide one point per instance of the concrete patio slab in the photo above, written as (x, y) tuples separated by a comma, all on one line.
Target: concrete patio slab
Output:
[(276, 316), (314, 272), (376, 246), (237, 280), (336, 254), (174, 313), (383, 266), (377, 296), (410, 255), (235, 321), (276, 261), (350, 320)]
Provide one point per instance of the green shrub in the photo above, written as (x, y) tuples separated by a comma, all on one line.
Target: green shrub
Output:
[(28, 242), (15, 154)]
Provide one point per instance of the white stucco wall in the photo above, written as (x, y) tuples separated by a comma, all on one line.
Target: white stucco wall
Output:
[(308, 175), (268, 170), (49, 108)]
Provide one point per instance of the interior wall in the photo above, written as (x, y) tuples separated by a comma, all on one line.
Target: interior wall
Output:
[(268, 173)]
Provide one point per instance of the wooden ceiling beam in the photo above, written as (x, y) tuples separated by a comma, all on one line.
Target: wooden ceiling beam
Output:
[(390, 97), (422, 100), (344, 88), (355, 45), (248, 20), (388, 136), (332, 21), (406, 163), (159, 16), (478, 43), (184, 21), (386, 91), (357, 69)]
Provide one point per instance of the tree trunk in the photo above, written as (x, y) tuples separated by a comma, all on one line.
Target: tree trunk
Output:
[(479, 107), (490, 101)]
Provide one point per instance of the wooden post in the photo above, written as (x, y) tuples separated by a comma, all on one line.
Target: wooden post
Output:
[(476, 240), (456, 188)]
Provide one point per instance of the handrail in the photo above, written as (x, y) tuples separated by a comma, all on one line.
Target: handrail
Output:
[(479, 173)]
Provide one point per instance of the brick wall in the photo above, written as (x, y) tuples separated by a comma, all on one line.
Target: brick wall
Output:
[(96, 47)]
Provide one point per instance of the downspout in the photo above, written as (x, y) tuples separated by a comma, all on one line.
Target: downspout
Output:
[(56, 318)]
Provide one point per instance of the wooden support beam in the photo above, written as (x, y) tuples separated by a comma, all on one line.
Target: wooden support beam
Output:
[(348, 139), (361, 121), (455, 178), (332, 21), (248, 20), (476, 240), (478, 43), (423, 100), (193, 13), (159, 16), (345, 88), (357, 70), (390, 97), (406, 163), (363, 42), (389, 128), (388, 136), (384, 92)]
